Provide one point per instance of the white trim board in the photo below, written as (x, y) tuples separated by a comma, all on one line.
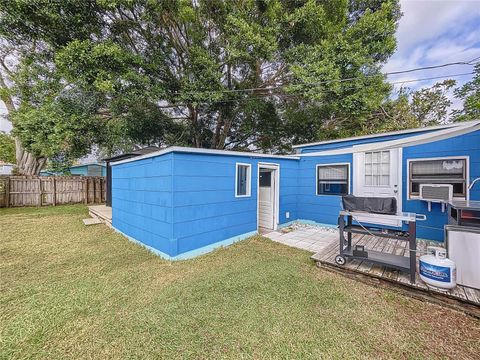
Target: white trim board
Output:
[(249, 180), (205, 152), (401, 143), (276, 168), (407, 131)]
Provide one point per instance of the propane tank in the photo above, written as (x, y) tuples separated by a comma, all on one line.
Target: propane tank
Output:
[(436, 269)]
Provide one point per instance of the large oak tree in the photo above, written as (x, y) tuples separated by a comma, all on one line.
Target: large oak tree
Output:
[(218, 74)]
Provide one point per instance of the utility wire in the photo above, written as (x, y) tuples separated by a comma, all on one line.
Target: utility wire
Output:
[(288, 95), (264, 89)]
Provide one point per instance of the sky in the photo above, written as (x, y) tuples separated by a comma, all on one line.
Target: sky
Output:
[(431, 32)]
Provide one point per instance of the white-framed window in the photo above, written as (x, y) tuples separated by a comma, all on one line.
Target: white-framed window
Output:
[(333, 179), (243, 179), (377, 168), (451, 170)]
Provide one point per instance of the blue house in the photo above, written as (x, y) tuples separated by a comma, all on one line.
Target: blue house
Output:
[(181, 202), (90, 169)]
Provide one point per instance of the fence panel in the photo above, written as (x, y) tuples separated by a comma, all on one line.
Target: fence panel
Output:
[(51, 190)]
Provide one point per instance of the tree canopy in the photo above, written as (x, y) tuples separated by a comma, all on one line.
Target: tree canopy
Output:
[(469, 93), (217, 74), (7, 148)]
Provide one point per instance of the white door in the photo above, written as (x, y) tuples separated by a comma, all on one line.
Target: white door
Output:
[(266, 198), (378, 174)]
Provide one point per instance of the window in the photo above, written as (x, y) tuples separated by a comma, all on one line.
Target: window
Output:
[(332, 179), (377, 168), (242, 180), (265, 178), (439, 171)]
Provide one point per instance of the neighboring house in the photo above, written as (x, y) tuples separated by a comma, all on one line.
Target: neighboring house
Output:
[(181, 202), (91, 169), (6, 168)]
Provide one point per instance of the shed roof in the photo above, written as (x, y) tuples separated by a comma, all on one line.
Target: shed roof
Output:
[(142, 151), (205, 152)]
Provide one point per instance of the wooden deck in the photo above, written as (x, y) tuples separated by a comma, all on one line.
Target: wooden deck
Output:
[(101, 212), (465, 297)]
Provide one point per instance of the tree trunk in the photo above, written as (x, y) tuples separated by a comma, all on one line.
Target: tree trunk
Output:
[(27, 164)]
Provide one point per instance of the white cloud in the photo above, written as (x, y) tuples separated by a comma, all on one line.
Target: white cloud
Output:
[(425, 19), (433, 32)]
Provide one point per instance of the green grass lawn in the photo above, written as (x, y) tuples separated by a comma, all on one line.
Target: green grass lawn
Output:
[(70, 291)]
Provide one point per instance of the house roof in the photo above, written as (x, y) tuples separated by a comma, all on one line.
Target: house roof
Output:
[(372, 136), (87, 164), (143, 151), (205, 152), (441, 134)]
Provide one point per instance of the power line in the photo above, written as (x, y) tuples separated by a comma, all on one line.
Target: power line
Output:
[(324, 82), (288, 95)]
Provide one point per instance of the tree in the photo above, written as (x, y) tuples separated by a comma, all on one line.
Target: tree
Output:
[(7, 148), (470, 94), (52, 118), (430, 105), (217, 74)]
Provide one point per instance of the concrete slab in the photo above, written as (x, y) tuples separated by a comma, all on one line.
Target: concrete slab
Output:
[(312, 239), (92, 221)]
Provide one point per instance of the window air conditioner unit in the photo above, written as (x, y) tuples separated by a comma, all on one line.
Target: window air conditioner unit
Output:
[(439, 193)]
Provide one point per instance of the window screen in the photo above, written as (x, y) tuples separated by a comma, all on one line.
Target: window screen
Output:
[(377, 168), (243, 180), (332, 180), (442, 171)]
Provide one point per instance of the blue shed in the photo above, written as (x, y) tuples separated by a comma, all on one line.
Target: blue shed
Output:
[(181, 202)]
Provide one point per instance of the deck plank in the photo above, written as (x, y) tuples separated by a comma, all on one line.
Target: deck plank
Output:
[(397, 247)]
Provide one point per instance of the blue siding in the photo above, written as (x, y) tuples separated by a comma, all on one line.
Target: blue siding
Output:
[(142, 201), (206, 210), (180, 202), (464, 145), (350, 143), (319, 208)]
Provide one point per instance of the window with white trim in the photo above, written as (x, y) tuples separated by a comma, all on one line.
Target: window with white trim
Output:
[(243, 180), (377, 168), (439, 171), (332, 179)]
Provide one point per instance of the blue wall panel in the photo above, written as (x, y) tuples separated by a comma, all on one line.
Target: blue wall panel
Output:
[(142, 201), (206, 210), (179, 202), (319, 208), (464, 145)]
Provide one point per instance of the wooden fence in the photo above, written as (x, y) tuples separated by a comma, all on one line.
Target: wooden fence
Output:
[(51, 190)]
